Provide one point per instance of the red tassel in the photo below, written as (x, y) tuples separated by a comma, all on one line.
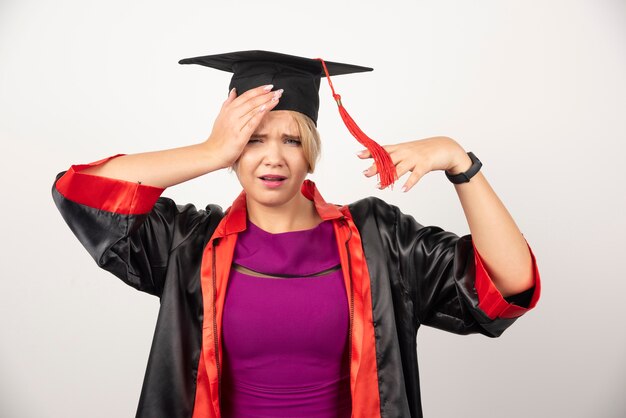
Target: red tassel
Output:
[(386, 169)]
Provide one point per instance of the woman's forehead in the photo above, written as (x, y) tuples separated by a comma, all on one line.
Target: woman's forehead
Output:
[(277, 122)]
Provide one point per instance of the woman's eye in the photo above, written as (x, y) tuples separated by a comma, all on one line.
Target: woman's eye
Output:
[(253, 140), (292, 141)]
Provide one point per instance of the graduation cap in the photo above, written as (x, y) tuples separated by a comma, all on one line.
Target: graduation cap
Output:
[(300, 79)]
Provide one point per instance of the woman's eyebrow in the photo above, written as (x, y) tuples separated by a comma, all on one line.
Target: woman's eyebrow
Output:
[(295, 136)]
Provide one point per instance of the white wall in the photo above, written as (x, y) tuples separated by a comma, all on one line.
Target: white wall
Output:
[(536, 89)]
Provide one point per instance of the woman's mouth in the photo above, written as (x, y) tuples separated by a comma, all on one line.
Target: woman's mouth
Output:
[(272, 180)]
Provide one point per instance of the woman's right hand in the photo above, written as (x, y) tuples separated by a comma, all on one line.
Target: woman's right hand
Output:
[(236, 122), (238, 119)]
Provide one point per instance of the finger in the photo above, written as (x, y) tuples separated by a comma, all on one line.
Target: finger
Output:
[(363, 154), (242, 115), (232, 95), (413, 179), (257, 91), (370, 171), (402, 168), (253, 94), (247, 109), (390, 148), (254, 118), (259, 110), (253, 122)]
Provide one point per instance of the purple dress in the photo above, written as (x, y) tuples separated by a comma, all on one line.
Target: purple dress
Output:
[(285, 340)]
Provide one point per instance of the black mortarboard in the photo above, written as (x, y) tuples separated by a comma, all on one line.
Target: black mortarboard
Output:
[(300, 79)]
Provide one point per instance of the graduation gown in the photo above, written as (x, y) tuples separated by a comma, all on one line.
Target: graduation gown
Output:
[(398, 274)]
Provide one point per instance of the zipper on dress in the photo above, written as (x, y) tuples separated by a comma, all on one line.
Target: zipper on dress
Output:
[(215, 336)]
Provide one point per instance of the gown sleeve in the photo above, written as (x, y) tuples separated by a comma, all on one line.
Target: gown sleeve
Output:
[(126, 227), (449, 285)]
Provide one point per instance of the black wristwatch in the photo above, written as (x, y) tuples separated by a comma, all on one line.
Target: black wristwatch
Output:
[(471, 172)]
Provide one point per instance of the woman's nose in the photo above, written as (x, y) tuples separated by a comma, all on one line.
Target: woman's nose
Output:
[(273, 154)]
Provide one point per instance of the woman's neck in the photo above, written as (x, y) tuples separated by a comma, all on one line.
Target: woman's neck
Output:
[(297, 215)]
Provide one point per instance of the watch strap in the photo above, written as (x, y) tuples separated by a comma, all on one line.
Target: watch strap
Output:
[(471, 172)]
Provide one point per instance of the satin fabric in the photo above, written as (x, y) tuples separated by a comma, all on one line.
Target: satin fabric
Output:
[(402, 275)]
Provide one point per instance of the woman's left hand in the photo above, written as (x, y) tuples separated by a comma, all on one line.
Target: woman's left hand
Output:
[(423, 156)]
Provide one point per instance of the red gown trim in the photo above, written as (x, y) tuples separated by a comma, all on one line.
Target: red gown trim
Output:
[(111, 195), (491, 301), (363, 368)]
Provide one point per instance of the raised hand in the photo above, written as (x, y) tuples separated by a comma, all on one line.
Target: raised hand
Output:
[(237, 121), (423, 156)]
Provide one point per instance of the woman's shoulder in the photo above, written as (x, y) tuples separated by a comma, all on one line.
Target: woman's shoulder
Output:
[(381, 213), (186, 218), (373, 207), (376, 219), (164, 203)]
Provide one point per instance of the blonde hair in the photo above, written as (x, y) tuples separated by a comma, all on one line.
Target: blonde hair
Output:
[(309, 138)]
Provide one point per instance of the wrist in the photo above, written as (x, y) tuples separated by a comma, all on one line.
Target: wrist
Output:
[(465, 176), (461, 164), (210, 156)]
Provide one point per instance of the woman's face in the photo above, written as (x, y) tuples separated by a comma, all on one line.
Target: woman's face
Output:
[(272, 166)]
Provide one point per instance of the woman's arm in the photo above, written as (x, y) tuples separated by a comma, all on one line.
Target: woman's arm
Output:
[(237, 120), (501, 245), (495, 235)]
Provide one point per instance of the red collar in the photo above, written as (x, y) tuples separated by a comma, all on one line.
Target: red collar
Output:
[(235, 219)]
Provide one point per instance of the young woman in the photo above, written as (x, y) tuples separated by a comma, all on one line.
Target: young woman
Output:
[(286, 305)]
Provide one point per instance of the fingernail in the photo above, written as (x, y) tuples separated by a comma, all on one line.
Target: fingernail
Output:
[(277, 94), (268, 87), (404, 189), (378, 186), (366, 170), (231, 91)]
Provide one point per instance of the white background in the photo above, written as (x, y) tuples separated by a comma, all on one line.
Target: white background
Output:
[(536, 89)]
